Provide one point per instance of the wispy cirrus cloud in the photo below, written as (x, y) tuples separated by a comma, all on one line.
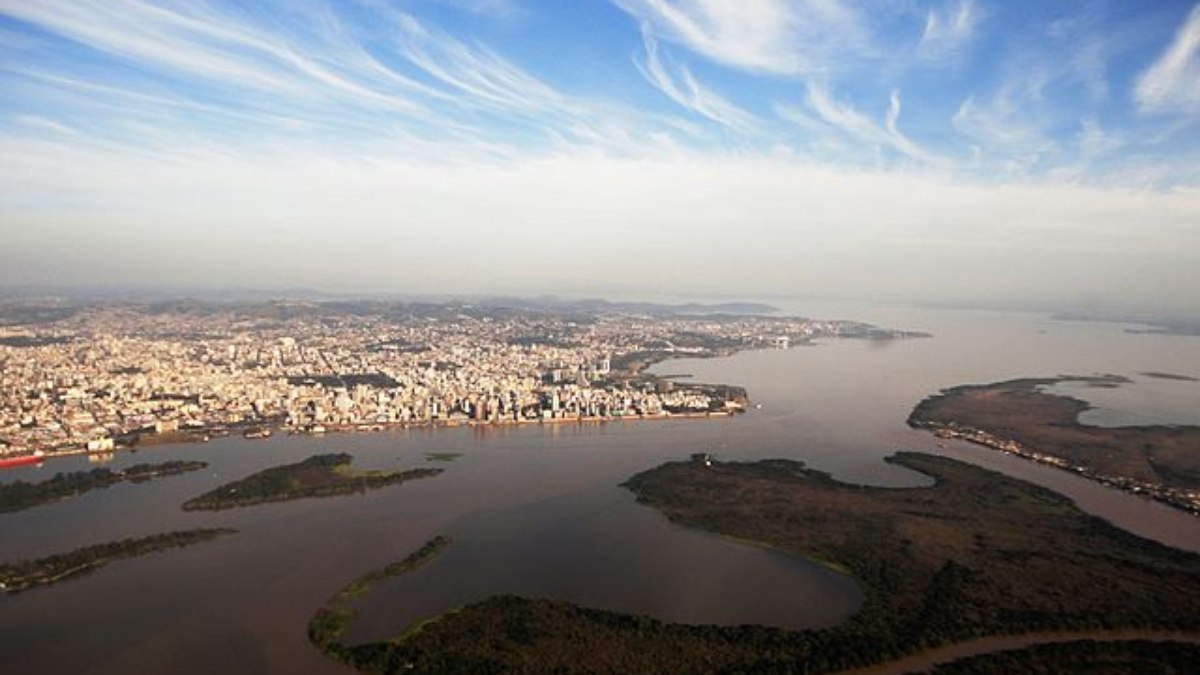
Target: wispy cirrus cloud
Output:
[(1001, 134), (682, 88), (949, 31), (793, 37), (859, 126), (286, 67), (1172, 83), (44, 124)]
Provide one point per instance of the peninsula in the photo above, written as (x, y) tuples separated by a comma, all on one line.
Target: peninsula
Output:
[(318, 476), (18, 576), (20, 495), (965, 558), (1019, 417)]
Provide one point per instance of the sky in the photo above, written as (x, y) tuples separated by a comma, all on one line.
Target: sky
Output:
[(948, 150)]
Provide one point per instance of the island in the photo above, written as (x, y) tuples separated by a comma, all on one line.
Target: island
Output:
[(977, 554), (326, 627), (20, 495), (22, 575), (1020, 417), (318, 476), (1175, 377)]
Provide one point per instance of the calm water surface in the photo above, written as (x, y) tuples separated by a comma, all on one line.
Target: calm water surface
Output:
[(538, 511)]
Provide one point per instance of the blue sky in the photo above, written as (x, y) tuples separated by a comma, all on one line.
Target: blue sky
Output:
[(1057, 133)]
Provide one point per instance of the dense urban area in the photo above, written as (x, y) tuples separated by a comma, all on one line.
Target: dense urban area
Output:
[(86, 379)]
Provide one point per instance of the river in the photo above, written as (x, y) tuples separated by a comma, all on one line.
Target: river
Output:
[(538, 510)]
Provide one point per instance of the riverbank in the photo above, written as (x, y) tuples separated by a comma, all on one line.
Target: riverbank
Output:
[(402, 426)]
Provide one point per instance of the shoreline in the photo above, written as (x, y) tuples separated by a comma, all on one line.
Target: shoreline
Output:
[(737, 401), (375, 427)]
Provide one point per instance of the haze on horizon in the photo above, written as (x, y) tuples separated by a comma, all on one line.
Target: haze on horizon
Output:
[(949, 150)]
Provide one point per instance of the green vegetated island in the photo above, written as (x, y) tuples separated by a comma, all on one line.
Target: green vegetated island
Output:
[(326, 627), (318, 476), (978, 554), (25, 574), (20, 495), (1018, 416)]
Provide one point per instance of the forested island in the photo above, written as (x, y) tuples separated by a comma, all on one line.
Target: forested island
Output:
[(977, 554), (1019, 417), (25, 574), (318, 476), (20, 495)]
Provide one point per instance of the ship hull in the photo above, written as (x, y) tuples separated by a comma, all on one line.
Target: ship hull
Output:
[(23, 460)]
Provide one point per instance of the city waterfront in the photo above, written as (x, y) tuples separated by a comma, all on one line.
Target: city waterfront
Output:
[(538, 511)]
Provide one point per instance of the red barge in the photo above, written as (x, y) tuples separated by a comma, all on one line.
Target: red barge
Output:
[(22, 460)]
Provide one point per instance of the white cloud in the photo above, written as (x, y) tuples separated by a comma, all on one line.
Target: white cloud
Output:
[(44, 124), (776, 36), (849, 120), (687, 92), (798, 227), (949, 32), (1172, 84), (493, 8), (1095, 142), (250, 72), (1005, 131), (202, 41)]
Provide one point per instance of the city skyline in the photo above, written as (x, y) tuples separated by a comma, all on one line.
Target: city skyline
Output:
[(948, 151)]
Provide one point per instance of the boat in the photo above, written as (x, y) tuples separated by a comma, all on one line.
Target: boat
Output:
[(257, 432), (36, 457)]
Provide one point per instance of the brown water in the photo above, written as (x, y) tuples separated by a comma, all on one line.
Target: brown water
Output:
[(538, 510)]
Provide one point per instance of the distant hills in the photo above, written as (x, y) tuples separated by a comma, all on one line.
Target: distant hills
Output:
[(35, 308)]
